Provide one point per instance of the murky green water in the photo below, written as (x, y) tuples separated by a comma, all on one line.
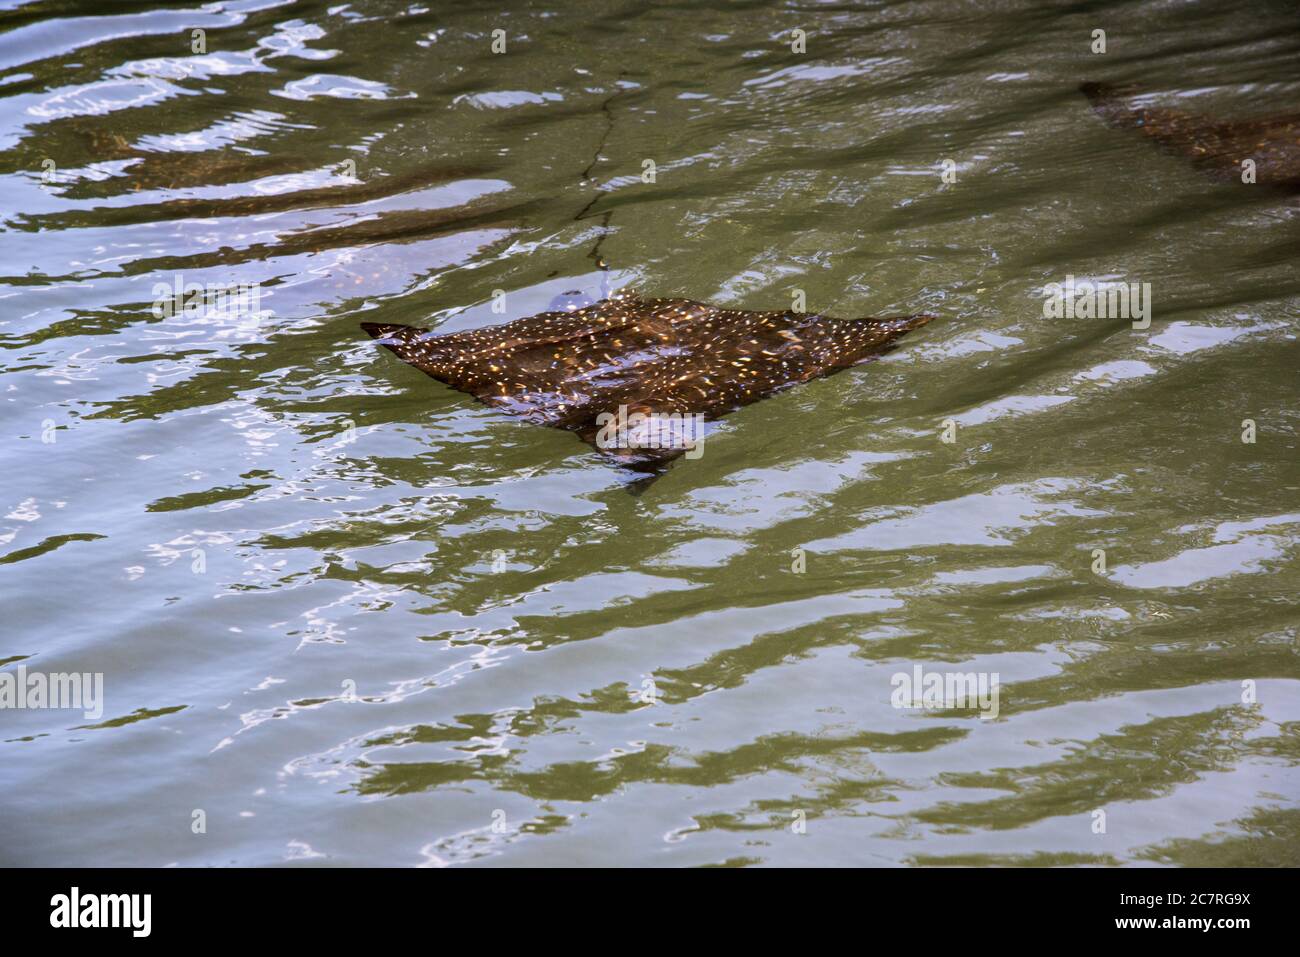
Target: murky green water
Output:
[(355, 618)]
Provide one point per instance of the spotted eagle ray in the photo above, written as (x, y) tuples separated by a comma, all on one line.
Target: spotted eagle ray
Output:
[(608, 371), (1216, 147)]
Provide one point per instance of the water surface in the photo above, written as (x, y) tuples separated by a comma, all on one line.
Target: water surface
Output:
[(355, 618)]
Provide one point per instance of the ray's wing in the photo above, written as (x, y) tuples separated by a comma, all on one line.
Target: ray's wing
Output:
[(1216, 147), (548, 328), (475, 359)]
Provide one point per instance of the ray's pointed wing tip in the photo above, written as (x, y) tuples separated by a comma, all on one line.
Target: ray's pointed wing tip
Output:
[(902, 324), (1094, 90), (1109, 95), (388, 331)]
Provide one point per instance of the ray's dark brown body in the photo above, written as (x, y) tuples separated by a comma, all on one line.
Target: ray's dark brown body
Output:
[(1216, 147), (663, 356)]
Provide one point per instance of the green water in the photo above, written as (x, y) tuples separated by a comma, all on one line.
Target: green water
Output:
[(353, 617)]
